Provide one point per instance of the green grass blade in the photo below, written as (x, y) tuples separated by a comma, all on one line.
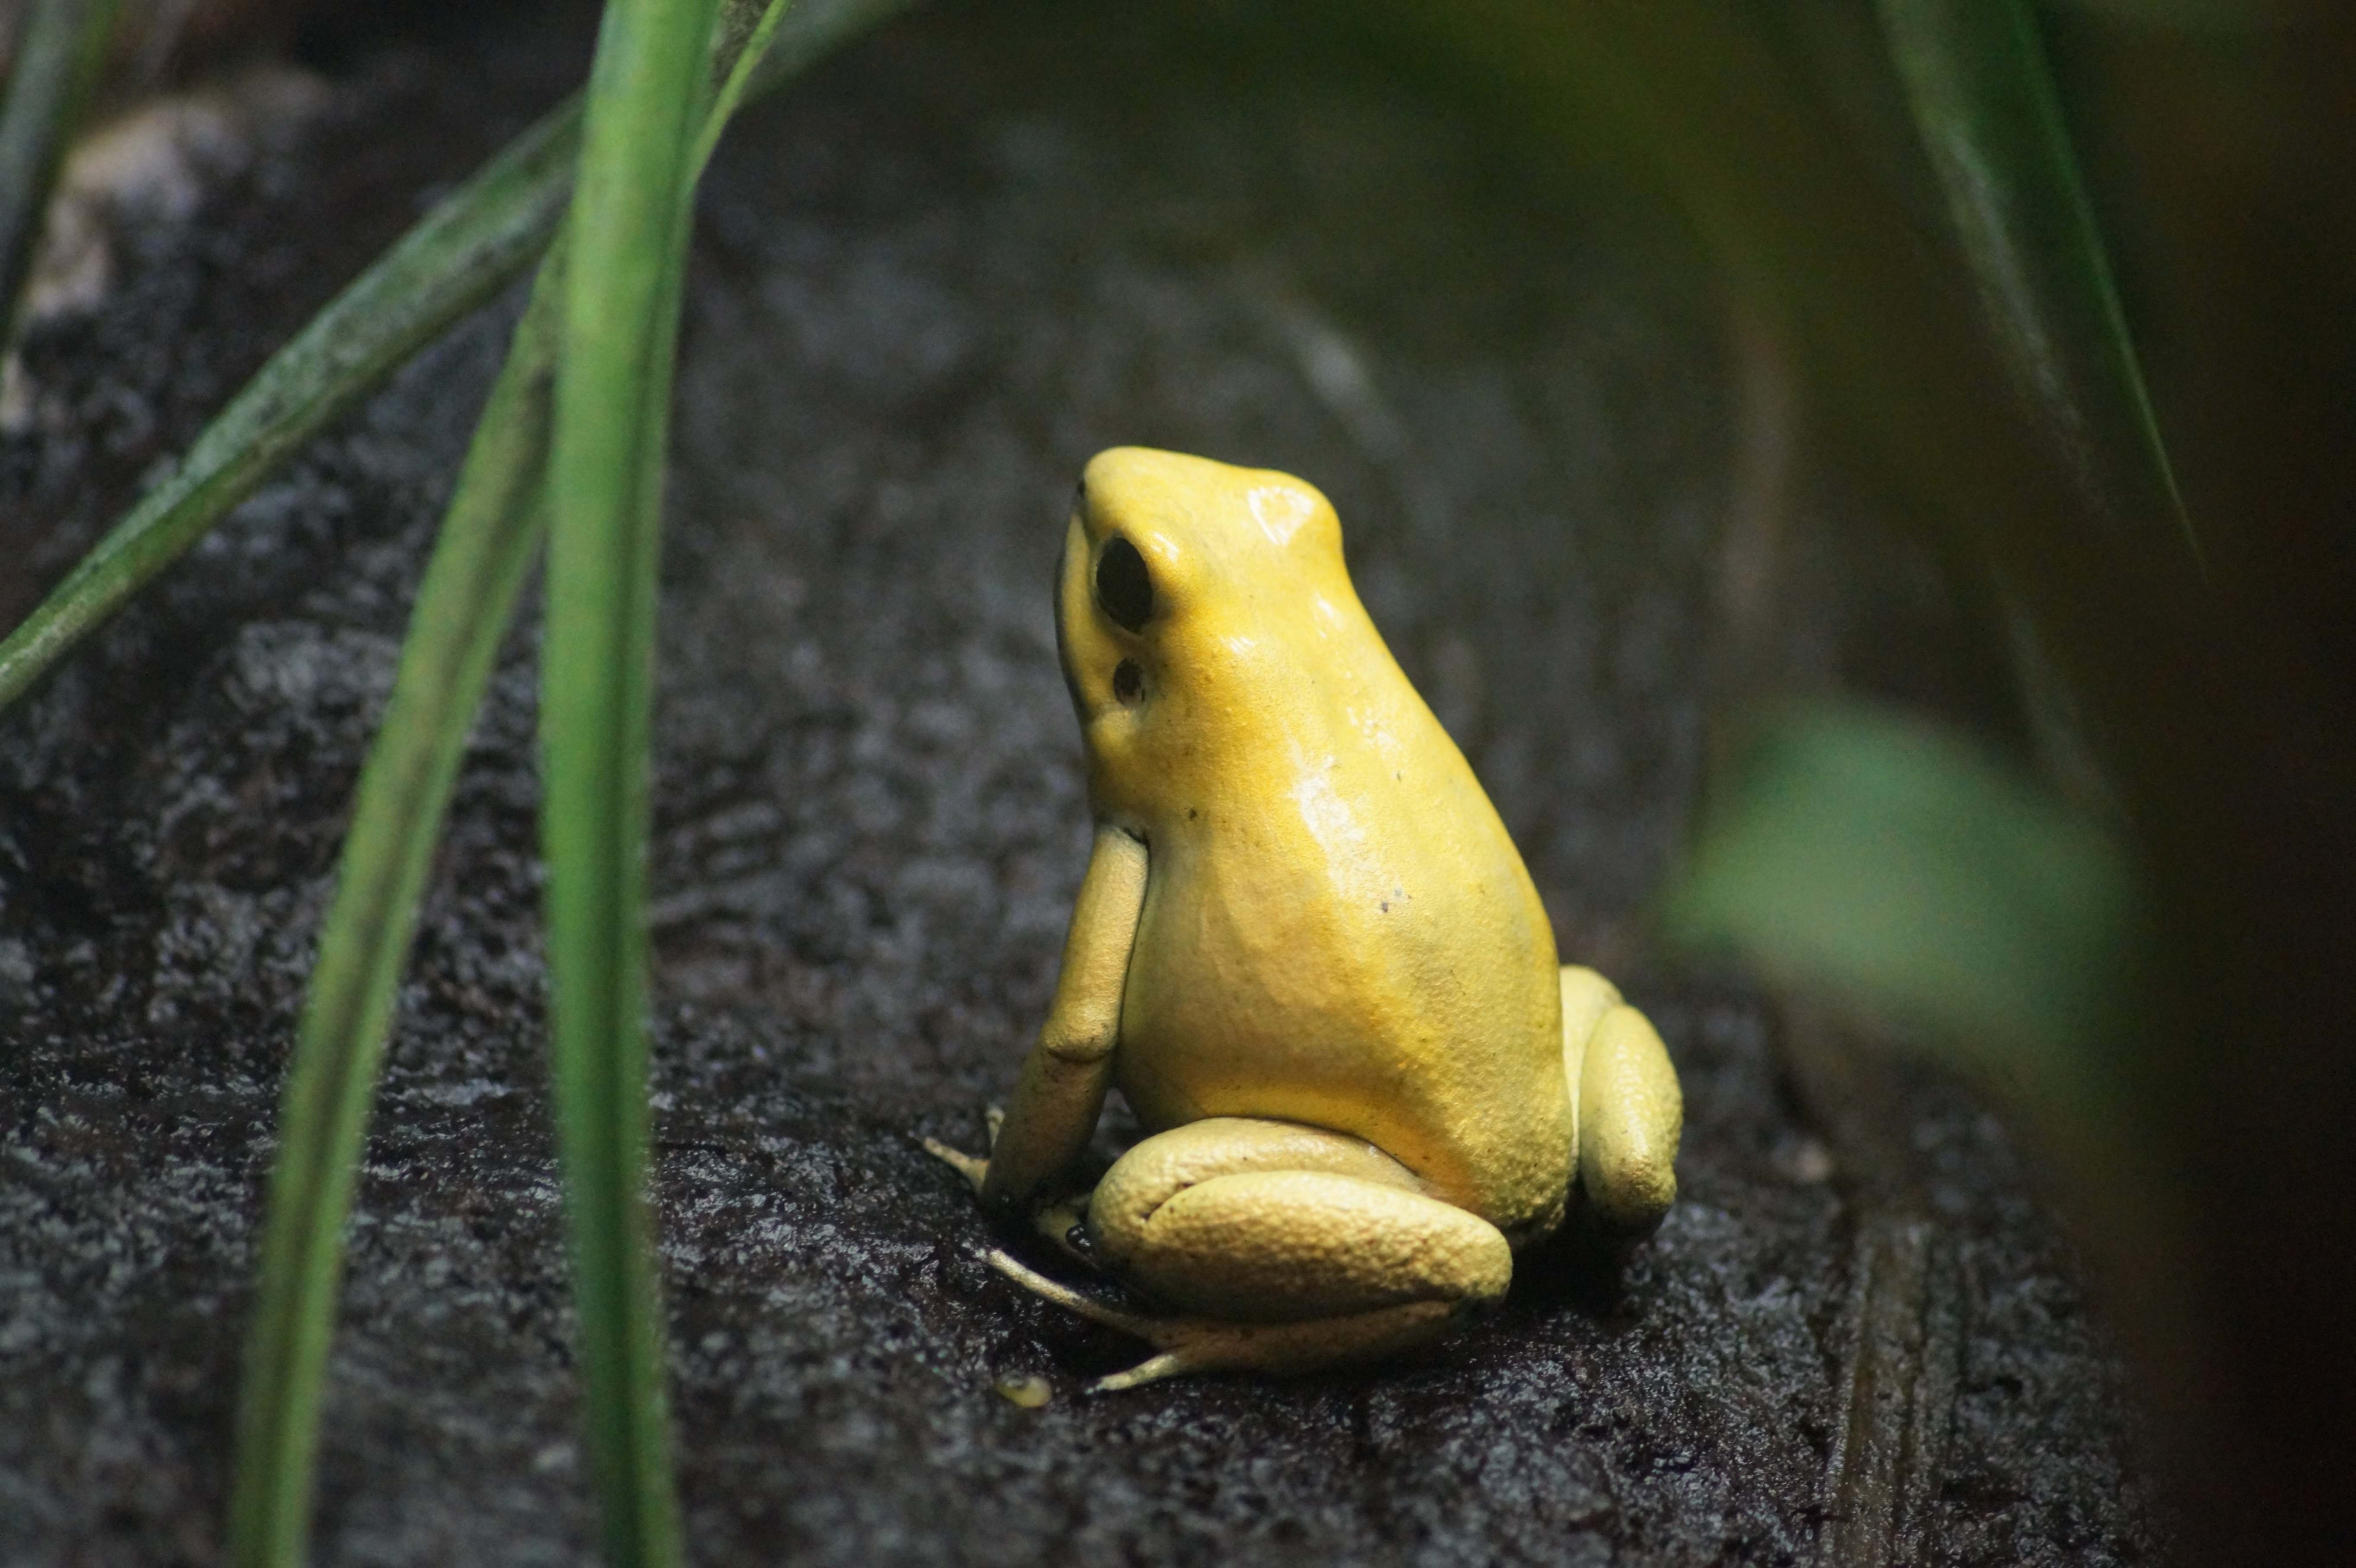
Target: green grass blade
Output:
[(1899, 865), (58, 60), (479, 563), (808, 31), (749, 30), (471, 245), (488, 535), (1983, 99), (612, 387)]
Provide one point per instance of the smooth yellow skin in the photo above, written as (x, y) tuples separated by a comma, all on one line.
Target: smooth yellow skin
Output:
[(1307, 954)]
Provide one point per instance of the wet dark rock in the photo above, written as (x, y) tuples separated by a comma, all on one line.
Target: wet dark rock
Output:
[(927, 285)]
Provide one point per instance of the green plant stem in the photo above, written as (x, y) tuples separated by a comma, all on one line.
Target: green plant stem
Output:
[(58, 60), (479, 563), (1983, 99), (612, 386)]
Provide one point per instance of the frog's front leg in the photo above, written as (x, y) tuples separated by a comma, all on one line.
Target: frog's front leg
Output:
[(1065, 1078), (1625, 1104), (1060, 1219), (1288, 1248)]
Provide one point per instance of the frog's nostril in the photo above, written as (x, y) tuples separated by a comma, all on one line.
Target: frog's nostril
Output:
[(1128, 680)]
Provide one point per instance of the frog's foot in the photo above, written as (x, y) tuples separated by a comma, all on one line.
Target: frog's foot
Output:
[(1213, 1345), (1062, 1220), (1630, 1110)]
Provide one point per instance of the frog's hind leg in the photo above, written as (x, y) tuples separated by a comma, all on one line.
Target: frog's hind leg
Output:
[(1287, 1247), (1625, 1102), (1209, 1345)]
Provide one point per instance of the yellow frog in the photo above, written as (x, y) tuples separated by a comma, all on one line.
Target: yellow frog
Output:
[(1308, 955)]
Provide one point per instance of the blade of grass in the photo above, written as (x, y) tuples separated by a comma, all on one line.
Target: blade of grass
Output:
[(58, 60), (475, 242), (742, 57), (612, 394), (1983, 99), (479, 563), (488, 540)]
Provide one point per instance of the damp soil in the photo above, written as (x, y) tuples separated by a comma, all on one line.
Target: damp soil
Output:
[(928, 281)]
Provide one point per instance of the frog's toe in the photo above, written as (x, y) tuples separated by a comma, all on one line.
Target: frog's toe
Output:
[(973, 1170), (1284, 1349), (1065, 1223), (1064, 1295), (1153, 1369)]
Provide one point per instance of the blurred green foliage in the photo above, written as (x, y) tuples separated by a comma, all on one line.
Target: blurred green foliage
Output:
[(1930, 880)]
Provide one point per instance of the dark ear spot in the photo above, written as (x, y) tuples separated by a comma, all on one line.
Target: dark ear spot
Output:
[(1128, 680), (1124, 587)]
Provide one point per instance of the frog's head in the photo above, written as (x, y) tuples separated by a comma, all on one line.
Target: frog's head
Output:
[(1177, 573)]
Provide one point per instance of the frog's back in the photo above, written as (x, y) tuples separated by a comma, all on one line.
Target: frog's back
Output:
[(1337, 929)]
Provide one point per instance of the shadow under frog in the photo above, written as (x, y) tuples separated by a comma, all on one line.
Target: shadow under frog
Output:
[(1308, 955)]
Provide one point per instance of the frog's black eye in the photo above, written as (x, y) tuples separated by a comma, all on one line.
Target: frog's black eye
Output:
[(1124, 587), (1128, 680)]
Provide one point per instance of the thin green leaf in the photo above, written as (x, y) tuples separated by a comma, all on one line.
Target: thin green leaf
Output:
[(471, 245), (1983, 101), (479, 563), (467, 248), (737, 74), (57, 65), (1902, 866), (613, 388)]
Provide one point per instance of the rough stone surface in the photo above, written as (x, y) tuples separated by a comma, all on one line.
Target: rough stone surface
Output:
[(928, 284)]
